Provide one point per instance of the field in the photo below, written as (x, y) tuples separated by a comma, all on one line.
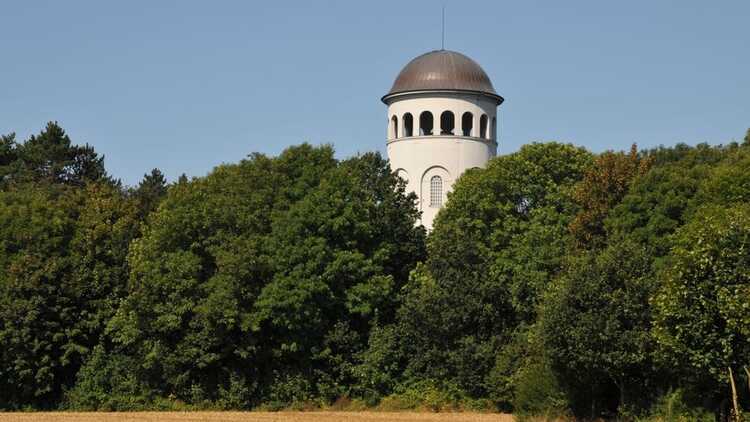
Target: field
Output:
[(254, 417)]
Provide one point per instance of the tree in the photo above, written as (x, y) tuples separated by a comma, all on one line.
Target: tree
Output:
[(660, 201), (343, 253), (729, 180), (494, 248), (197, 271), (267, 273), (8, 155), (150, 191), (62, 274), (52, 158), (603, 186), (701, 318), (595, 327)]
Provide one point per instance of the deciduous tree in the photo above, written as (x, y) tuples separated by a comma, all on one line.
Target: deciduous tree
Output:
[(702, 322), (494, 248), (62, 275)]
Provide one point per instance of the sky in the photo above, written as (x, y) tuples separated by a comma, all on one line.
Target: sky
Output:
[(187, 85)]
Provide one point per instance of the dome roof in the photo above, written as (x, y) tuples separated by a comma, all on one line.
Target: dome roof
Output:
[(443, 70)]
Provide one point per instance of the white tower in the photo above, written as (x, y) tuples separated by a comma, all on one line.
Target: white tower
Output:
[(442, 120)]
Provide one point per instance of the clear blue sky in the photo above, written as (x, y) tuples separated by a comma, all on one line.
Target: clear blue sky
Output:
[(186, 85)]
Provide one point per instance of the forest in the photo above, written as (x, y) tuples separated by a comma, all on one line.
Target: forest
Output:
[(556, 282)]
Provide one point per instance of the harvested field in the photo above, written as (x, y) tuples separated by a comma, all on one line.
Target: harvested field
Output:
[(253, 417)]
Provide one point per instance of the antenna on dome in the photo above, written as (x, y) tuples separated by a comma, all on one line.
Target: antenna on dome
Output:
[(442, 39)]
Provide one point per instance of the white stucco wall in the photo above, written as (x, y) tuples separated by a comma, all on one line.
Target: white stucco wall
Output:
[(418, 158)]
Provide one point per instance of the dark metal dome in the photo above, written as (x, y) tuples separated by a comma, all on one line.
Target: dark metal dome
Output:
[(443, 70)]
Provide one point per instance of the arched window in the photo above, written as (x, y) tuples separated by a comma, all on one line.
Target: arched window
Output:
[(408, 123), (425, 123), (436, 192), (483, 126), (403, 174), (447, 123), (493, 133), (467, 123), (394, 127)]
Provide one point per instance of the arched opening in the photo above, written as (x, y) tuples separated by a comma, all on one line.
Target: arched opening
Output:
[(403, 174), (493, 132), (436, 192), (467, 123), (408, 123), (447, 123), (394, 127), (425, 123), (483, 126)]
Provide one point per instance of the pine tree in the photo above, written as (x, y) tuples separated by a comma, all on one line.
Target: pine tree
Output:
[(51, 157), (150, 191)]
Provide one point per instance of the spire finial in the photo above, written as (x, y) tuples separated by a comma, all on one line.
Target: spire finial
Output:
[(442, 39)]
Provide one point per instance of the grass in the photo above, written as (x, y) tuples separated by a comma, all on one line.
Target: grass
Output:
[(318, 416)]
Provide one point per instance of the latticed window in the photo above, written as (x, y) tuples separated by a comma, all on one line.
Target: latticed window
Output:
[(436, 192)]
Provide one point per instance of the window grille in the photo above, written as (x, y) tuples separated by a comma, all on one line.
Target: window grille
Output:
[(436, 192)]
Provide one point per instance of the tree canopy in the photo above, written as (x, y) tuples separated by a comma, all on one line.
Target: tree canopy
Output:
[(555, 281)]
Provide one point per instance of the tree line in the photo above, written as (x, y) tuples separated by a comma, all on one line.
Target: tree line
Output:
[(555, 281)]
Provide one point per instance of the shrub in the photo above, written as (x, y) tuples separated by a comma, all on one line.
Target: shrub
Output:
[(288, 390), (674, 407), (108, 382), (538, 392), (237, 395), (432, 396)]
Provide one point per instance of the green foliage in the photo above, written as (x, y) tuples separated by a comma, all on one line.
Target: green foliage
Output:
[(63, 273), (432, 396), (108, 382), (602, 187), (49, 157), (595, 327), (657, 205), (555, 282), (150, 191), (729, 181), (288, 390), (65, 228), (674, 407), (494, 248), (701, 309), (200, 266), (8, 156), (538, 392), (269, 270), (379, 370), (502, 379)]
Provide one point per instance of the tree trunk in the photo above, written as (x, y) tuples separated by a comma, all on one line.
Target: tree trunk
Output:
[(735, 407)]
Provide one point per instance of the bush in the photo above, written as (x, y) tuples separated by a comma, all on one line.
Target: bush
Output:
[(108, 382), (381, 365), (538, 392), (434, 397), (238, 395), (674, 407), (289, 391)]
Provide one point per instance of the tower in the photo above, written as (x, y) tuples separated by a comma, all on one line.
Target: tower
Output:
[(442, 121)]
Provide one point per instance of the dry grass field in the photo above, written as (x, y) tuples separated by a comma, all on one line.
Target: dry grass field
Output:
[(254, 417)]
